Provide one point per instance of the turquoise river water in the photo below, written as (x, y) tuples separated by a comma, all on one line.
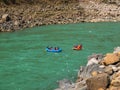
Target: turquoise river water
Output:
[(25, 65)]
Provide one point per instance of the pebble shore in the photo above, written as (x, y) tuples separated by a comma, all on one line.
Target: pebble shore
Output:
[(19, 17)]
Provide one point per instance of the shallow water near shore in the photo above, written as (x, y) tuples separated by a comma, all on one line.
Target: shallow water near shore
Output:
[(25, 65)]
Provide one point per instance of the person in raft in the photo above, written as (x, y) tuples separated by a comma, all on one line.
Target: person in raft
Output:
[(49, 47), (56, 48), (78, 46)]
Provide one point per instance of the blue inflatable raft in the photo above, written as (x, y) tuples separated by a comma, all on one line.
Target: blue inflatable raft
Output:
[(53, 50)]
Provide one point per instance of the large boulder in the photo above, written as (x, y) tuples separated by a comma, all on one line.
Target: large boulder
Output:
[(97, 82), (110, 58)]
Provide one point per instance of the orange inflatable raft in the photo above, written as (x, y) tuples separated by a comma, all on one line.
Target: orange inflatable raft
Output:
[(77, 47)]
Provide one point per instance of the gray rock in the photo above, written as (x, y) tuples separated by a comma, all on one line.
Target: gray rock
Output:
[(94, 59), (116, 50), (85, 72), (65, 84)]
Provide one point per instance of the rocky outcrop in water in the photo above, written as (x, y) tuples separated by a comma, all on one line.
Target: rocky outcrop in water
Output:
[(101, 73)]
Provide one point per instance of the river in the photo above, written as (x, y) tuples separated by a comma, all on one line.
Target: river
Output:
[(25, 65)]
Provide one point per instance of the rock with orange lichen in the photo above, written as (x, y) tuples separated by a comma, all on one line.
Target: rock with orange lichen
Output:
[(110, 58)]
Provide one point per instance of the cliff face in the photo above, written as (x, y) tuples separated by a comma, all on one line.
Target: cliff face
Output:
[(20, 14)]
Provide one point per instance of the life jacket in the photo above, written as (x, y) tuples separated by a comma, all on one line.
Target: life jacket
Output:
[(79, 46)]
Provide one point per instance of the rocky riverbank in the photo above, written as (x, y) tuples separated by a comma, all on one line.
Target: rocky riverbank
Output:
[(102, 72), (18, 17)]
